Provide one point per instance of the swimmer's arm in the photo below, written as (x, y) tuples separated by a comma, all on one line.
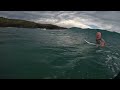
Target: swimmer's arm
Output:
[(104, 41)]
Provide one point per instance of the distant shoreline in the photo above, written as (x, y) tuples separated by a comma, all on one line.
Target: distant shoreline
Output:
[(18, 23)]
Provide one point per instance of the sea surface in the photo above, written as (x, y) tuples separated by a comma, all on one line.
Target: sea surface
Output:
[(57, 54)]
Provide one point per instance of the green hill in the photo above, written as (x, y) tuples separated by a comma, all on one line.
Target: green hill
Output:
[(5, 22)]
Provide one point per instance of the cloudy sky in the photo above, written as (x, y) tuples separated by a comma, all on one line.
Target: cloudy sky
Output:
[(108, 20)]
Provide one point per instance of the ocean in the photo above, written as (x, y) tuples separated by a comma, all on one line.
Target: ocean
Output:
[(57, 54)]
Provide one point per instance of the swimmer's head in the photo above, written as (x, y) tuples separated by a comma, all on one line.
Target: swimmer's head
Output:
[(98, 35)]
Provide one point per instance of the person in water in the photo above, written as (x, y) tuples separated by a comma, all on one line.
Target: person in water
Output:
[(99, 40)]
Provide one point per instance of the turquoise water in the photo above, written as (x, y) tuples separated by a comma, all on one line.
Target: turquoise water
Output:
[(57, 54)]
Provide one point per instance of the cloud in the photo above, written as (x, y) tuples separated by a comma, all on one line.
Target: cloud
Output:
[(109, 20), (72, 23)]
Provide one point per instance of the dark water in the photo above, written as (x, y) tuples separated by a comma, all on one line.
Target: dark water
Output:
[(57, 54)]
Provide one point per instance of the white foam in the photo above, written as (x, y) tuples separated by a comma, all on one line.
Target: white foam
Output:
[(107, 51), (97, 51), (113, 69), (89, 42)]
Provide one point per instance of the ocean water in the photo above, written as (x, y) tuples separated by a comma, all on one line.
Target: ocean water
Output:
[(57, 54)]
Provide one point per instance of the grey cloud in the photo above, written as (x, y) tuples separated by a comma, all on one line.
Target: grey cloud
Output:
[(109, 20)]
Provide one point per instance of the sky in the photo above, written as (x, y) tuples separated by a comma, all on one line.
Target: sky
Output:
[(107, 20)]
